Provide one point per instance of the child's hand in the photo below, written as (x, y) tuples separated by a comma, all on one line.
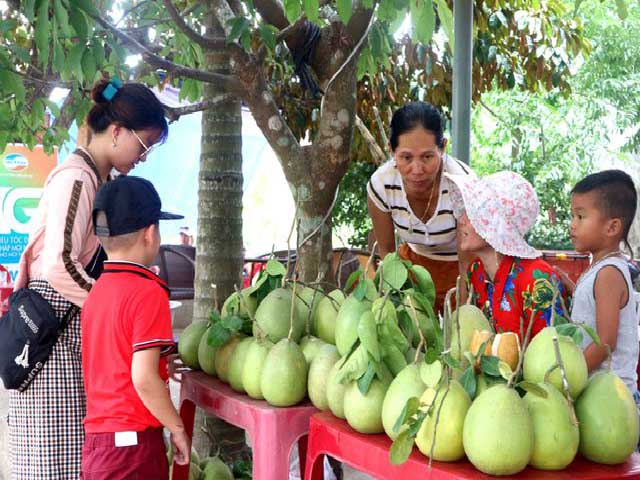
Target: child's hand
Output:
[(564, 278), (181, 447)]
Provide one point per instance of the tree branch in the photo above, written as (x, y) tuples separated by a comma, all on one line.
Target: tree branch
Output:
[(271, 12), (376, 152), (229, 83), (174, 113), (178, 18), (65, 119), (40, 81)]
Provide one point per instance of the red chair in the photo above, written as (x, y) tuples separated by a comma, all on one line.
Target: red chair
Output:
[(273, 430), (329, 435)]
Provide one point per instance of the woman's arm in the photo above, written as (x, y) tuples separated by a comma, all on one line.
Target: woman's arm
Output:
[(382, 229), (610, 291)]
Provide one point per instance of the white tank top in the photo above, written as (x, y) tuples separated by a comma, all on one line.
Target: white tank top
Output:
[(625, 357)]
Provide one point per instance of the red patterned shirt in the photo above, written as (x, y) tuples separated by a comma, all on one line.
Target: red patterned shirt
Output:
[(520, 286)]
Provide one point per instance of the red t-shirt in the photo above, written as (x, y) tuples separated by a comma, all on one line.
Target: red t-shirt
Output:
[(519, 287), (126, 311)]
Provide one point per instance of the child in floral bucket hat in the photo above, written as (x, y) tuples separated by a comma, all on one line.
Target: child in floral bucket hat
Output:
[(507, 279)]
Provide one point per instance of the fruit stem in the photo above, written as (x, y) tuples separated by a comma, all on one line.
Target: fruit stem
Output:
[(372, 256), (293, 224), (563, 373), (553, 306), (457, 315), (293, 307), (608, 357), (525, 344), (470, 295), (435, 426), (417, 322), (381, 279), (446, 321)]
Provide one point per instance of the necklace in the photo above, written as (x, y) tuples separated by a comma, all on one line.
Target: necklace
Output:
[(421, 218), (604, 257)]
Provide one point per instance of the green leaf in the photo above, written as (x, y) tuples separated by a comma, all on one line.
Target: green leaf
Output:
[(401, 449), (62, 17), (344, 10), (311, 9), (88, 6), (446, 20), (621, 6), (449, 361), (214, 317), (79, 23), (469, 382), (29, 10), (505, 370), (409, 410), (98, 52), (368, 334), (431, 373), (7, 25), (232, 322), (364, 382), (490, 365), (353, 278), (415, 425), (55, 110), (88, 65), (422, 282), (268, 33), (354, 367), (592, 333), (43, 33), (275, 268), (533, 388), (394, 273), (218, 335), (58, 57), (12, 83), (423, 20), (292, 9), (393, 358), (367, 3), (238, 26)]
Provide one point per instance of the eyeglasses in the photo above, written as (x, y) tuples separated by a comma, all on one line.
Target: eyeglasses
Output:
[(147, 150)]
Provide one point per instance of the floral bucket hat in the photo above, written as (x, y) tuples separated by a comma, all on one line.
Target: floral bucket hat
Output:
[(502, 207)]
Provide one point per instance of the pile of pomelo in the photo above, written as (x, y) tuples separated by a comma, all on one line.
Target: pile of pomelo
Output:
[(209, 468), (376, 355)]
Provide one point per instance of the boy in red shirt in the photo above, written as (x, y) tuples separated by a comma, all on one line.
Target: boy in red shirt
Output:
[(126, 333)]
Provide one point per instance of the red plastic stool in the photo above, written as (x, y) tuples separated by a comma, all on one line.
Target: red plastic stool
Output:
[(273, 430), (329, 435)]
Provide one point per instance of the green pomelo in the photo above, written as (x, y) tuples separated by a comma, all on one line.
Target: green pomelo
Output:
[(310, 347), (244, 307), (608, 419), (319, 371), (324, 318), (216, 469), (284, 375), (347, 323), (223, 355), (189, 342), (406, 385), (207, 355), (274, 316), (194, 471), (540, 356), (498, 433), (307, 300), (364, 412), (470, 318), (448, 436), (335, 391), (555, 435), (236, 364), (253, 365), (483, 383)]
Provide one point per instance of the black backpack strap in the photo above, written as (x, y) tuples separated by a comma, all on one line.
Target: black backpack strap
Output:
[(71, 311)]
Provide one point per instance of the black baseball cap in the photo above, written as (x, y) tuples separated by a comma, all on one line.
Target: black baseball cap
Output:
[(130, 204)]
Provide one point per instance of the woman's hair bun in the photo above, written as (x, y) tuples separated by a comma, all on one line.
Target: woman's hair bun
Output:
[(98, 90)]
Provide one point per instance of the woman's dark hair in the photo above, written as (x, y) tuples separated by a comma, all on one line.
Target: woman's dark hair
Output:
[(415, 114), (617, 197), (133, 106)]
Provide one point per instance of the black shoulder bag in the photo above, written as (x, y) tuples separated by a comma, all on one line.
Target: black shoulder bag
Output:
[(28, 332)]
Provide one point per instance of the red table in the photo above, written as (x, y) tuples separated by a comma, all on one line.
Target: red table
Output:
[(273, 430), (370, 453)]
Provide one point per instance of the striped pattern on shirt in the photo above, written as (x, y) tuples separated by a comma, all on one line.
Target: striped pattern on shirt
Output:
[(435, 239)]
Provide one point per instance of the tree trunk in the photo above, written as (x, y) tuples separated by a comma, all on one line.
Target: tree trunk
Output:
[(219, 256)]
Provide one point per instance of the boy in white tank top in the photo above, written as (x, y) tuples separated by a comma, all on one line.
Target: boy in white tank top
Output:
[(603, 206)]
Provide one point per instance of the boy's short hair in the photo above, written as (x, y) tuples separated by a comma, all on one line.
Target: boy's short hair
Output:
[(617, 196), (118, 242)]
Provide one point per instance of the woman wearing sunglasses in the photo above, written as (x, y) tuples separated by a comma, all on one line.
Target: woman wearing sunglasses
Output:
[(61, 262)]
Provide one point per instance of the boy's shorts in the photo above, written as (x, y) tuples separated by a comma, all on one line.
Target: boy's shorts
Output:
[(102, 460)]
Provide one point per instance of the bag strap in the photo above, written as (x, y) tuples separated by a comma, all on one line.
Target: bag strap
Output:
[(71, 311)]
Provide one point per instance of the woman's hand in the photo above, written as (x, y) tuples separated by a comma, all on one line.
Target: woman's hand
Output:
[(568, 284)]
